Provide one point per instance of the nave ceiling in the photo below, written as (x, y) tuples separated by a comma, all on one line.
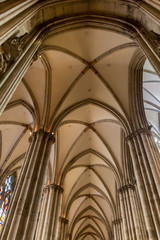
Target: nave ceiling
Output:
[(78, 88)]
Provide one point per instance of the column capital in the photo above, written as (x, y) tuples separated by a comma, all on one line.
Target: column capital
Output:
[(59, 188), (40, 130), (50, 135), (117, 221), (11, 49), (56, 187), (63, 220), (145, 130), (126, 187)]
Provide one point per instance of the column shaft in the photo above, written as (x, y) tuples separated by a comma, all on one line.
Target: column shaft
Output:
[(152, 163), (114, 232), (62, 228), (126, 229), (54, 231), (49, 214), (135, 214), (133, 226), (41, 221), (142, 193), (21, 222), (49, 226), (149, 184)]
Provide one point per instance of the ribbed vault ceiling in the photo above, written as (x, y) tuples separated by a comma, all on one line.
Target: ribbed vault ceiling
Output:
[(77, 88)]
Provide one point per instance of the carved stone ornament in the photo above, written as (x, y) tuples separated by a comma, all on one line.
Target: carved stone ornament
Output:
[(10, 51), (156, 40)]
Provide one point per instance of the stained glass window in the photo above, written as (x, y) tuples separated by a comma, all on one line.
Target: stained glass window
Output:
[(6, 190)]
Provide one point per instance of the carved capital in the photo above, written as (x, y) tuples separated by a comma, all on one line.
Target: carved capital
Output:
[(144, 130), (63, 220), (60, 189), (53, 186), (3, 62), (56, 187), (49, 135), (10, 51), (117, 221), (41, 131), (126, 187)]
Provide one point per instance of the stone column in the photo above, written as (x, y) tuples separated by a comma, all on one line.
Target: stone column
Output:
[(150, 176), (15, 73), (133, 228), (54, 231), (47, 229), (62, 228), (117, 231), (42, 214), (143, 186), (152, 160), (21, 220), (114, 231), (125, 215)]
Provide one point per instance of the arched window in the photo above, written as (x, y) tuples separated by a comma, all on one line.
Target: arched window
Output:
[(151, 97), (6, 190)]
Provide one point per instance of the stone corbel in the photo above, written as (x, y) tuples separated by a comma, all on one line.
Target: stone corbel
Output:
[(10, 51)]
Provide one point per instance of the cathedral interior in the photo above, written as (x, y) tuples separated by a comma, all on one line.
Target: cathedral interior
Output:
[(80, 120)]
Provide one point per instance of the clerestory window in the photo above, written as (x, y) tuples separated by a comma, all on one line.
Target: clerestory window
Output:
[(151, 97)]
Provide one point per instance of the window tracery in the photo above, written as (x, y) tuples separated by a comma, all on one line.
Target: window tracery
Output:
[(6, 190)]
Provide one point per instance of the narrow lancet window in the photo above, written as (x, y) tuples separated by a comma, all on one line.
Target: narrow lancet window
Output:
[(6, 190)]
